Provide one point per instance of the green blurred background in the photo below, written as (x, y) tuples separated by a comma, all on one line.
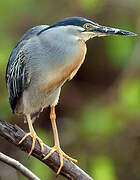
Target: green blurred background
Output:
[(98, 114)]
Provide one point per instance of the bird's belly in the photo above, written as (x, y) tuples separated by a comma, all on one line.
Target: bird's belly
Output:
[(34, 101)]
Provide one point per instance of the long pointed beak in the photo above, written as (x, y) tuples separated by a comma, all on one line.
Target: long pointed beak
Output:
[(106, 31)]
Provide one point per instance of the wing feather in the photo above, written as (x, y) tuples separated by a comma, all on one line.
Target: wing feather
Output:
[(17, 76)]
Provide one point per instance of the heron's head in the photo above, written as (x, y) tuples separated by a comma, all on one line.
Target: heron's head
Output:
[(85, 29)]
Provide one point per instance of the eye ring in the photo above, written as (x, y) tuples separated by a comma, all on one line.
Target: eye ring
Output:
[(87, 26)]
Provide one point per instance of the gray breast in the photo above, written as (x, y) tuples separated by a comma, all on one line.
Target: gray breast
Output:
[(49, 53)]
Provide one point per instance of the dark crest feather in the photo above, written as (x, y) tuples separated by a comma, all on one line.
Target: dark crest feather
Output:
[(75, 21)]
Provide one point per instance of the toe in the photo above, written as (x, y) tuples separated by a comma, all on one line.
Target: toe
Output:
[(34, 138), (49, 154), (41, 144), (61, 163), (33, 145), (61, 155), (24, 137), (68, 157)]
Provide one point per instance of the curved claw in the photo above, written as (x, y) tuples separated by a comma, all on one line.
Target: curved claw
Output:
[(61, 154), (34, 138)]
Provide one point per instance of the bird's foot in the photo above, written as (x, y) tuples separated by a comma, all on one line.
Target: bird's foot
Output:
[(61, 154), (34, 138)]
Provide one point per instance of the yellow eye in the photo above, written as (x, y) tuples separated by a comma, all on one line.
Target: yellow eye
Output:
[(87, 26)]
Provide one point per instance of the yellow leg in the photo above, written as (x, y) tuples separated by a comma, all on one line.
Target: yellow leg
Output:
[(33, 135), (57, 143)]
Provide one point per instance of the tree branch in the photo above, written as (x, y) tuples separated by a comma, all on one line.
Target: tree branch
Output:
[(14, 134), (17, 165)]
